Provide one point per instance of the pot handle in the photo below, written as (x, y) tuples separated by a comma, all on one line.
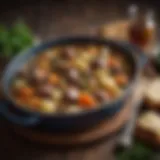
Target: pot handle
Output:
[(26, 120)]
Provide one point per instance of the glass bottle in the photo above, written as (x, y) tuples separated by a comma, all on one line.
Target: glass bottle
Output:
[(142, 28)]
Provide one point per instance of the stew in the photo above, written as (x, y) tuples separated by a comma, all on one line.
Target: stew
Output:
[(71, 79)]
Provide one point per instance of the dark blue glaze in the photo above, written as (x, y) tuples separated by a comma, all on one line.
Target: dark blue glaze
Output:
[(69, 122)]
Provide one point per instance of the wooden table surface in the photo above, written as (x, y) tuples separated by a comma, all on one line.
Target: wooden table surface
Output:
[(50, 19), (17, 148)]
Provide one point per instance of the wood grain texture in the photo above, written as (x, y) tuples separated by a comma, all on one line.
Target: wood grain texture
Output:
[(16, 148), (50, 19), (106, 128), (54, 18)]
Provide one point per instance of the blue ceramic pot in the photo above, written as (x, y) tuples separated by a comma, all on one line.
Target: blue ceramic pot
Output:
[(69, 122)]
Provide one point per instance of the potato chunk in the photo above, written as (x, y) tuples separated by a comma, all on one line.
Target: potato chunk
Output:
[(48, 106)]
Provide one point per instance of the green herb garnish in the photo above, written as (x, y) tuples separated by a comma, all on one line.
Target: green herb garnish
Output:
[(14, 39), (139, 151)]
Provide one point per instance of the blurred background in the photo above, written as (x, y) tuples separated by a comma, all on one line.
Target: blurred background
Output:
[(49, 18)]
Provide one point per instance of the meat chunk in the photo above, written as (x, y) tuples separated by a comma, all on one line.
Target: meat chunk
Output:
[(102, 96), (98, 63), (45, 90), (71, 94), (73, 75), (68, 53), (38, 76)]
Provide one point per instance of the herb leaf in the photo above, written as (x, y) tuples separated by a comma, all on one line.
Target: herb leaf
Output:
[(13, 40)]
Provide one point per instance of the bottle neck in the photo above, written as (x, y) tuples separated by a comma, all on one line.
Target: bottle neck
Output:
[(150, 20)]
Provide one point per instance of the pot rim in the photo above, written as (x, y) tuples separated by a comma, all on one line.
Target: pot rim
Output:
[(122, 46)]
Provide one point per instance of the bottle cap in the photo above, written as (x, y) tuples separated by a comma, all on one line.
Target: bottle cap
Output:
[(150, 19), (132, 11)]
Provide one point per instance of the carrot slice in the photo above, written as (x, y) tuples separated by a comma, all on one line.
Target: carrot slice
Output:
[(121, 79), (35, 102), (43, 64), (113, 62), (86, 100), (26, 92), (54, 79), (93, 50)]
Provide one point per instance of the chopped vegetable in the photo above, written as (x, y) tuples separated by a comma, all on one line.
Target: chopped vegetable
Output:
[(54, 79), (86, 100), (109, 83), (93, 50), (86, 57), (35, 102), (56, 94), (49, 54), (121, 79), (19, 83), (26, 92), (81, 64), (48, 106), (113, 62), (43, 64), (74, 109)]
